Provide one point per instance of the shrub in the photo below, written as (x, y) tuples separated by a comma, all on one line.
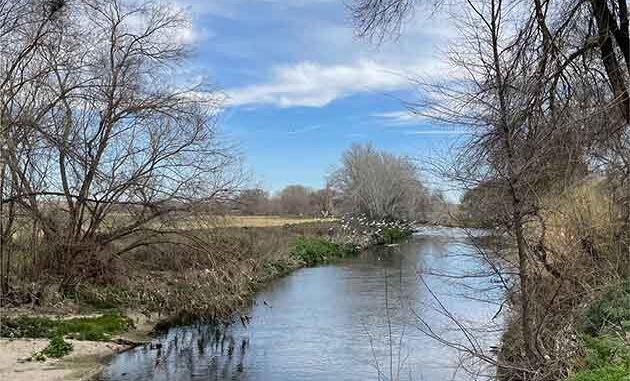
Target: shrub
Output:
[(393, 235), (364, 232), (612, 311), (314, 251), (278, 267), (57, 348)]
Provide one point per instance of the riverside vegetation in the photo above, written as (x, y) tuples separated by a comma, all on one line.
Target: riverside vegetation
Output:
[(586, 255), (605, 333), (179, 287)]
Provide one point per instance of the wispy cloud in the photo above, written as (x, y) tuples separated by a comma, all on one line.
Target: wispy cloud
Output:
[(302, 130), (290, 65), (440, 131), (399, 118), (313, 84)]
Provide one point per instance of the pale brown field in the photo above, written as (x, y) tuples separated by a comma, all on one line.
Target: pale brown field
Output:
[(267, 221), (213, 222)]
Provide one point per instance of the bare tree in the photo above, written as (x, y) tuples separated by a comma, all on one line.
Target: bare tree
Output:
[(294, 200), (26, 27), (525, 107), (254, 201), (379, 185), (322, 201), (103, 148)]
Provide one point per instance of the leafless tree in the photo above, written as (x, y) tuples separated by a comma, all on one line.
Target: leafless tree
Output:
[(253, 202), (322, 201), (294, 200), (26, 27), (104, 147), (379, 184)]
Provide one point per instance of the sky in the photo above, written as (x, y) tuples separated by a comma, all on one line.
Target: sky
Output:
[(302, 87)]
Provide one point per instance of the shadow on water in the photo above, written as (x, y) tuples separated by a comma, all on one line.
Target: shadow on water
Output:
[(355, 320)]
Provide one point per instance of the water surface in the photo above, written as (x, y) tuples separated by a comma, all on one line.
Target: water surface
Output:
[(362, 319)]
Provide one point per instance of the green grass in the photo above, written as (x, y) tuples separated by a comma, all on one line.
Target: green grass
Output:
[(99, 328), (315, 251), (620, 372), (606, 324), (605, 350)]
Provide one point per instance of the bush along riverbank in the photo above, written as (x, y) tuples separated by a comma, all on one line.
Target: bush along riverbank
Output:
[(355, 235), (577, 296)]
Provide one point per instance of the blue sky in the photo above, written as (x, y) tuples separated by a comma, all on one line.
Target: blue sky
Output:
[(302, 87)]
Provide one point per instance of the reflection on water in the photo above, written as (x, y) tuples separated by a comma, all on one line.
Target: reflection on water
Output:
[(358, 320)]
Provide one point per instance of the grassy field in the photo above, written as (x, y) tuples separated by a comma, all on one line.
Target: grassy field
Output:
[(268, 221)]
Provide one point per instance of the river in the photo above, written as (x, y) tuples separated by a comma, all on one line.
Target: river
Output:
[(361, 319)]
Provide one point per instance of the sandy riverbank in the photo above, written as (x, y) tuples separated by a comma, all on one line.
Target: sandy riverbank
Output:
[(85, 361)]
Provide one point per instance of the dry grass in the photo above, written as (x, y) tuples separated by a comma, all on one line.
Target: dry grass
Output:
[(583, 227), (212, 273), (254, 221), (268, 221), (578, 248)]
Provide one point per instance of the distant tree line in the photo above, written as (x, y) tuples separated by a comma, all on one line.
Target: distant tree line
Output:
[(293, 200), (368, 181)]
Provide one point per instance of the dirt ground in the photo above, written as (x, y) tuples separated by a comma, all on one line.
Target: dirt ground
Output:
[(83, 363)]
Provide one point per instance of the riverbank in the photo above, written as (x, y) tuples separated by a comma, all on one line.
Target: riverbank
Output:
[(166, 288), (28, 351), (86, 361)]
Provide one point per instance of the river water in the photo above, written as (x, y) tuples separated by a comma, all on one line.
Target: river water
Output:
[(362, 319)]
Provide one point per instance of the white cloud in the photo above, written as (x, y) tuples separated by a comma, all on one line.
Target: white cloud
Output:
[(440, 131), (399, 118), (290, 65), (316, 85), (233, 9)]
